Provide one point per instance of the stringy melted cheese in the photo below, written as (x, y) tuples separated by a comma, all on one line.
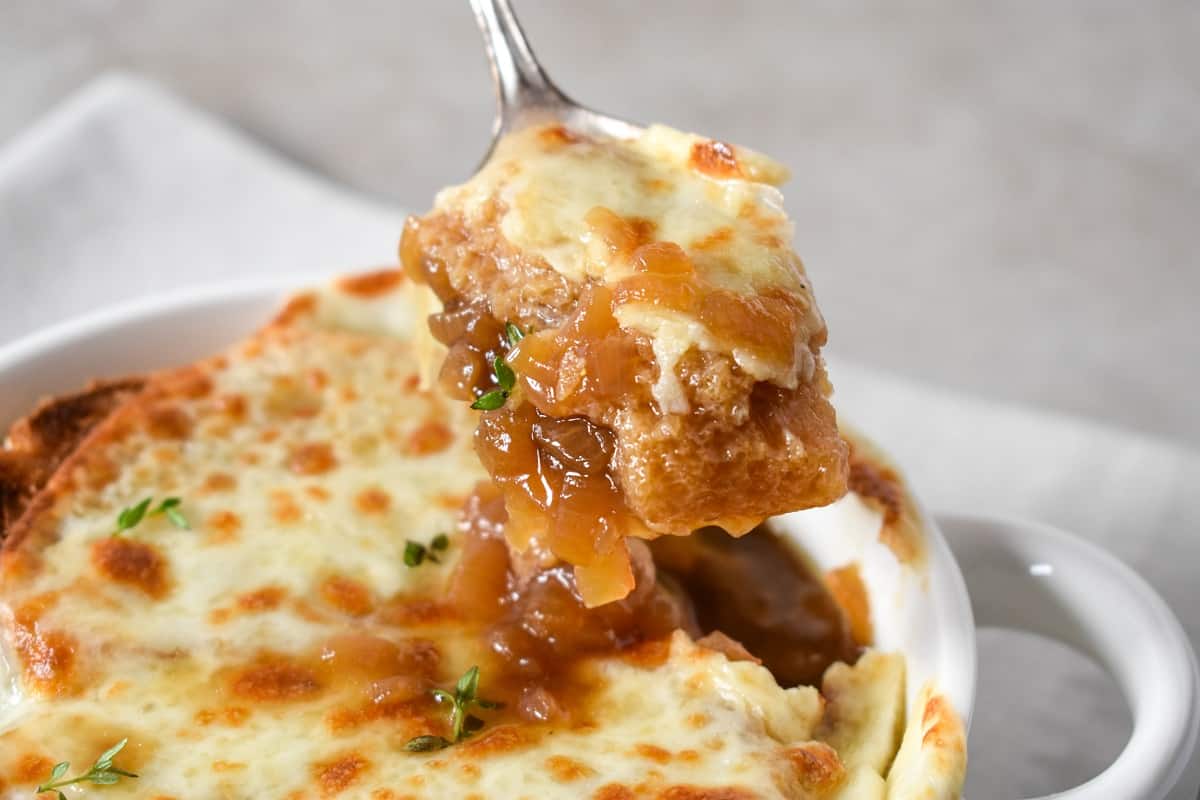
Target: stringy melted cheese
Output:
[(718, 202), (243, 657)]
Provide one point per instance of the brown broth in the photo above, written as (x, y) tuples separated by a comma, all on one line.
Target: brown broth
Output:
[(756, 590)]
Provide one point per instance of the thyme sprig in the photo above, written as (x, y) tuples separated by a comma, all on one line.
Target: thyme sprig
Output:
[(102, 773), (462, 722), (505, 378)]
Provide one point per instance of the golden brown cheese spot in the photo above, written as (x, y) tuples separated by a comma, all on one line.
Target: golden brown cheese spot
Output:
[(565, 769), (498, 740), (48, 658), (233, 406), (223, 527), (430, 437), (32, 767), (318, 378), (653, 753), (623, 235), (705, 793), (334, 777), (132, 563), (98, 471), (218, 482), (275, 679), (372, 501), (698, 720), (227, 766), (817, 765), (318, 493), (614, 791), (715, 159), (846, 585), (284, 508), (720, 236), (168, 422), (233, 716), (371, 284), (290, 399), (299, 306), (267, 598), (558, 135), (409, 611), (347, 595), (942, 727), (314, 458), (648, 655), (252, 602)]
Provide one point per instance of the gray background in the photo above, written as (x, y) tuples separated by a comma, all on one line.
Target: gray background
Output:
[(1000, 197), (996, 197)]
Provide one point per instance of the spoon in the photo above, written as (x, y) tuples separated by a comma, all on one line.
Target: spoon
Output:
[(525, 95)]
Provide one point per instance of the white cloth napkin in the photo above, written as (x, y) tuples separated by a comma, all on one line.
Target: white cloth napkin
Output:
[(125, 191)]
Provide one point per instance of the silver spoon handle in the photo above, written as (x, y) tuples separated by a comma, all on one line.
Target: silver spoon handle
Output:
[(521, 84)]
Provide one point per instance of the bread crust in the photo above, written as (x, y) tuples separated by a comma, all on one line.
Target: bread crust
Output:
[(39, 443)]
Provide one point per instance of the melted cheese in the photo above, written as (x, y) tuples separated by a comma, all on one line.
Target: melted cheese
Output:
[(727, 216), (239, 657)]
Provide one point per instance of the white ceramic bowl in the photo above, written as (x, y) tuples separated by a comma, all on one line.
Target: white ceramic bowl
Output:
[(1022, 575)]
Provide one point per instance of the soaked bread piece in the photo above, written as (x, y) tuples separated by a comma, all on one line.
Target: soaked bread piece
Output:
[(658, 339)]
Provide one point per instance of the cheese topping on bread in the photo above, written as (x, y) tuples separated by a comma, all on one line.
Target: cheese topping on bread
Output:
[(582, 205), (288, 644)]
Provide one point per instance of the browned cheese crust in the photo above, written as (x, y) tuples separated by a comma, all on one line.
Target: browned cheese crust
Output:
[(38, 443)]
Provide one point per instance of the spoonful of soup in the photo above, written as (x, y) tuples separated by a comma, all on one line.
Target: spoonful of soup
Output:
[(624, 308)]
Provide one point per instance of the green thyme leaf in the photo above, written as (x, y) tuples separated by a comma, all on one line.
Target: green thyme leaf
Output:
[(490, 401), (106, 758), (513, 333), (414, 553), (440, 542), (59, 770), (170, 509), (131, 516), (177, 518), (504, 374), (424, 744), (467, 686)]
